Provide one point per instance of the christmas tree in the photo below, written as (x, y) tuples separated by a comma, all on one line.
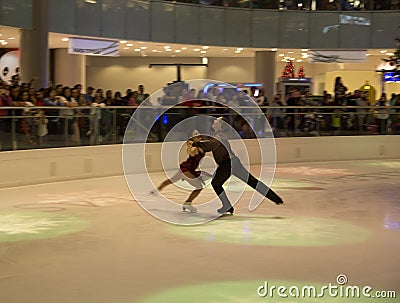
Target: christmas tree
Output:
[(288, 71), (301, 73), (395, 59)]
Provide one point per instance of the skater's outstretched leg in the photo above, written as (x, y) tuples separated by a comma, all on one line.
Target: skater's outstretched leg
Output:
[(243, 174)]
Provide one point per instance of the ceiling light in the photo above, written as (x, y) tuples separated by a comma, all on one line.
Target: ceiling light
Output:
[(143, 47), (173, 55), (11, 38), (383, 51), (167, 46), (224, 49), (137, 49), (304, 49), (206, 47), (126, 47), (239, 49), (141, 42), (177, 51), (281, 55), (290, 52), (196, 49), (274, 49), (168, 50), (299, 60), (64, 39), (203, 52), (4, 43), (154, 51), (204, 60), (123, 41), (129, 44), (184, 48), (292, 58), (91, 1), (389, 54), (368, 55)]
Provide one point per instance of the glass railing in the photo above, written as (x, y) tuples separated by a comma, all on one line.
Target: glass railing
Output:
[(332, 5), (49, 127)]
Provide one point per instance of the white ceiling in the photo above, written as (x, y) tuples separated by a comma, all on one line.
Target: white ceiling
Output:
[(10, 36)]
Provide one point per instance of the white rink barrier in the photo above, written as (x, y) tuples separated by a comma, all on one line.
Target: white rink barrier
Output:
[(60, 164)]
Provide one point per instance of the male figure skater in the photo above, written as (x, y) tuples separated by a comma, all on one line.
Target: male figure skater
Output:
[(188, 171), (229, 164)]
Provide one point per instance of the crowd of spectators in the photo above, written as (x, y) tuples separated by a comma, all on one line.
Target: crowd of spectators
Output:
[(94, 117)]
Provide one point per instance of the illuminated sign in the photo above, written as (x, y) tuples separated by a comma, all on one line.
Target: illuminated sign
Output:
[(93, 47), (335, 56), (391, 77)]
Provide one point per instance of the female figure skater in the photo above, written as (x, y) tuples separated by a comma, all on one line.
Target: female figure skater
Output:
[(188, 171)]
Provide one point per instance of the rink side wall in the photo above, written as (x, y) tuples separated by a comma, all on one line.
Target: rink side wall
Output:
[(59, 164)]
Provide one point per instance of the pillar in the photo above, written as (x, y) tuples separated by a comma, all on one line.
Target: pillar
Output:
[(265, 72), (34, 61)]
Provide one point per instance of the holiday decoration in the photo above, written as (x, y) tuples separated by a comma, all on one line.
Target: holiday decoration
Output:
[(288, 71), (301, 73), (395, 59)]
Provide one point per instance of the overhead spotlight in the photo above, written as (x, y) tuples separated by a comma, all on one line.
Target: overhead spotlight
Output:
[(203, 52), (304, 49), (168, 50), (143, 47), (224, 49), (123, 41), (11, 38), (383, 51), (274, 49), (64, 39), (299, 60), (126, 47), (4, 43), (239, 49), (196, 49), (167, 46), (129, 44), (137, 49), (390, 54), (206, 47), (281, 55), (290, 52), (204, 60), (183, 48), (177, 51), (91, 1)]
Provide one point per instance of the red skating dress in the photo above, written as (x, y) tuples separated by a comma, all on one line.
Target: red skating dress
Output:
[(191, 164)]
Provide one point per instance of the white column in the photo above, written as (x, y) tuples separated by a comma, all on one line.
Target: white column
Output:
[(265, 72), (69, 69), (34, 46)]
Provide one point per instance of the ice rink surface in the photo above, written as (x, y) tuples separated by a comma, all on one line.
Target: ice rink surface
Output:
[(88, 241)]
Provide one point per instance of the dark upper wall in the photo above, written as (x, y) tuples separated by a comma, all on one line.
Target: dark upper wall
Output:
[(206, 25)]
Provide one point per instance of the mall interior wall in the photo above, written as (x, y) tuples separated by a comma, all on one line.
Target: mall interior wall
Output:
[(120, 73)]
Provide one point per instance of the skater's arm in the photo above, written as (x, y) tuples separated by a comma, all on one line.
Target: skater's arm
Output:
[(206, 145)]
